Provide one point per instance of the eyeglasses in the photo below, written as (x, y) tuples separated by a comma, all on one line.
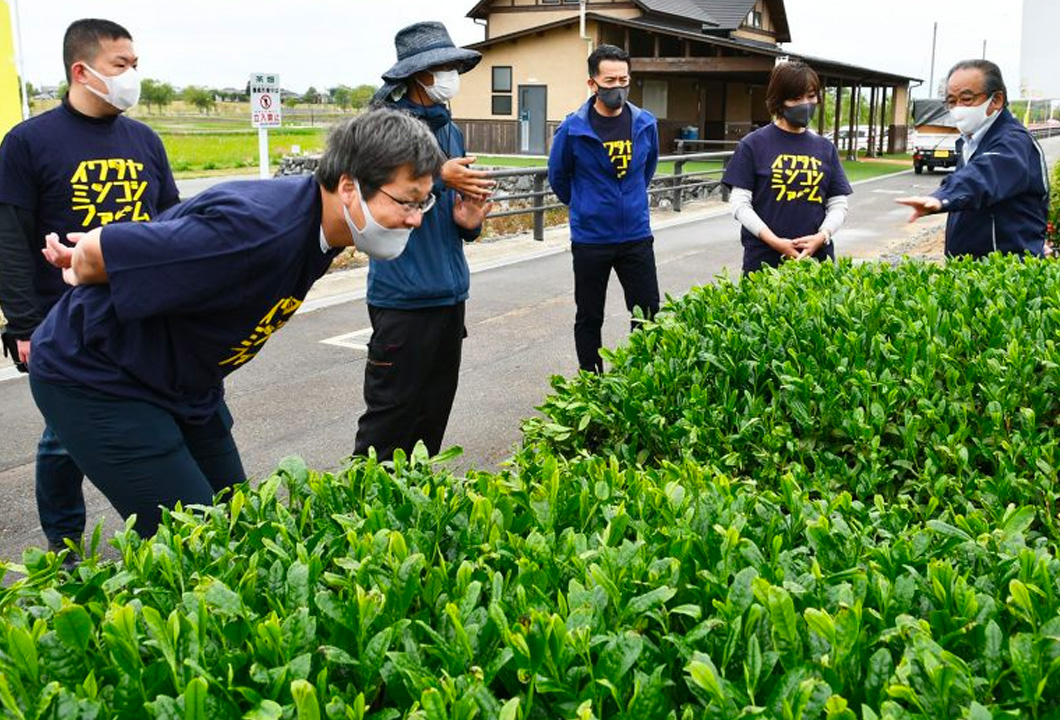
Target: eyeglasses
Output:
[(411, 207), (965, 99)]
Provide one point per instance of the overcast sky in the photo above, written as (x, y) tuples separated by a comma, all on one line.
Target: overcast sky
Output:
[(327, 42)]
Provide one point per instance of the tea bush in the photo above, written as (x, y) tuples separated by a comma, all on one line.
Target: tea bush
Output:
[(940, 383), (656, 550)]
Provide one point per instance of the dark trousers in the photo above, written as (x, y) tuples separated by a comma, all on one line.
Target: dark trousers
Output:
[(634, 263), (140, 456), (60, 501), (410, 378)]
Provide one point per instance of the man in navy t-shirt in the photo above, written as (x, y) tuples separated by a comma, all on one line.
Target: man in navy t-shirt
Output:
[(80, 166), (128, 367)]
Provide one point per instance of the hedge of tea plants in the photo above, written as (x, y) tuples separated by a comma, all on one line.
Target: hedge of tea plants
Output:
[(826, 492)]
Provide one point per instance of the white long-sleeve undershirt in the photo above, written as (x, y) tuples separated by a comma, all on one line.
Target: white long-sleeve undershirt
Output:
[(836, 208)]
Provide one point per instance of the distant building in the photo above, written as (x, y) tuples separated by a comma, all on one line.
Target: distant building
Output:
[(1038, 58), (701, 66)]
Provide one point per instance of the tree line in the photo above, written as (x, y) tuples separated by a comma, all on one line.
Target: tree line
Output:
[(158, 95)]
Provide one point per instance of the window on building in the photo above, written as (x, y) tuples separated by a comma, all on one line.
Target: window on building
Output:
[(502, 78), (656, 93), (502, 104), (754, 19)]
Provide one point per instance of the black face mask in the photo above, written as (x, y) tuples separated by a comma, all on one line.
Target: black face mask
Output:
[(612, 98), (800, 115)]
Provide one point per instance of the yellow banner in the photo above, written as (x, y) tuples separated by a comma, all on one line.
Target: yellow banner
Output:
[(10, 101)]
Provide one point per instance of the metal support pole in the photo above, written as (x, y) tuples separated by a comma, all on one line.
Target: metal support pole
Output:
[(883, 118), (838, 114), (870, 151), (931, 78), (538, 204), (852, 140), (820, 113), (263, 153), (725, 188), (676, 183)]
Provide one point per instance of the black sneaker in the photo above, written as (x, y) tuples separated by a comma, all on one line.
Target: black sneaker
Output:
[(71, 561)]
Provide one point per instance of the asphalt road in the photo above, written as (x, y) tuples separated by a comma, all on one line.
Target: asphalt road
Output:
[(302, 395)]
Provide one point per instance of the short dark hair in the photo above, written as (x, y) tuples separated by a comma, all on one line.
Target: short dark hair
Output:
[(83, 40), (788, 81), (371, 147), (606, 52), (993, 83)]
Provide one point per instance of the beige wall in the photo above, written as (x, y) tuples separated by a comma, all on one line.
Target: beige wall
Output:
[(555, 59), (767, 33), (505, 23)]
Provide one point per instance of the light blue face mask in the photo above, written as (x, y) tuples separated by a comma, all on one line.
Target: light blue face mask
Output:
[(376, 241)]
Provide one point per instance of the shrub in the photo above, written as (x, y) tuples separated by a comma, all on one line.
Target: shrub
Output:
[(623, 566), (940, 383)]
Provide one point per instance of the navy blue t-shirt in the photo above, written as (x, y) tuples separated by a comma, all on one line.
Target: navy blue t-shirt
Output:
[(191, 297), (790, 175), (616, 133), (75, 173)]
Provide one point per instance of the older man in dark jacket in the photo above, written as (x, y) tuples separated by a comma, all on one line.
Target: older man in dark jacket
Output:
[(998, 197), (416, 301)]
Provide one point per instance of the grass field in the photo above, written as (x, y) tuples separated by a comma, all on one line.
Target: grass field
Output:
[(191, 153)]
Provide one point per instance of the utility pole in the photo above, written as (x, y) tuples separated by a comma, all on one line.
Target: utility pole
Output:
[(984, 48), (931, 82)]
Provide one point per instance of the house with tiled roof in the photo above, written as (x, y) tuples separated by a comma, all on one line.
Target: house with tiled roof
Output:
[(701, 66)]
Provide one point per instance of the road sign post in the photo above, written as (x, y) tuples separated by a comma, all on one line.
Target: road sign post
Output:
[(265, 103)]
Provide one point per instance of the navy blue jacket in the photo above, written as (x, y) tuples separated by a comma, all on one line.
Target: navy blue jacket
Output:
[(603, 208), (432, 272), (999, 200)]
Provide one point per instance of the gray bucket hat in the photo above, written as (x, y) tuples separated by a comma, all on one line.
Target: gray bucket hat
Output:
[(425, 45)]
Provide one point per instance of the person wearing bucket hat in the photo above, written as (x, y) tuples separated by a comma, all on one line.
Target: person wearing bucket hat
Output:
[(416, 301)]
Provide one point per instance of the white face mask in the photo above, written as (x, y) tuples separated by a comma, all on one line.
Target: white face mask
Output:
[(376, 241), (970, 119), (446, 86), (123, 91)]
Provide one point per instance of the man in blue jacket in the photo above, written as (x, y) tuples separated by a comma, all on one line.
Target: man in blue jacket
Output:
[(416, 301), (998, 197), (603, 158)]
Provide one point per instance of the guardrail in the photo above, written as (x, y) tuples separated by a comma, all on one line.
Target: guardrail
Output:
[(681, 144), (674, 184), (1045, 132)]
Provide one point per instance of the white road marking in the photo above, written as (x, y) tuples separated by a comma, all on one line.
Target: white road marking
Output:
[(10, 373), (356, 340)]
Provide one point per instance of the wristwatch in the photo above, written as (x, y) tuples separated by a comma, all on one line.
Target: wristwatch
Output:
[(827, 237)]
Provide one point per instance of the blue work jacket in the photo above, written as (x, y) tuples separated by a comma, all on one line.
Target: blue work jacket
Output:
[(603, 207)]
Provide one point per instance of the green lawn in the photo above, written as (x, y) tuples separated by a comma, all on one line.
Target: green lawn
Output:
[(193, 152)]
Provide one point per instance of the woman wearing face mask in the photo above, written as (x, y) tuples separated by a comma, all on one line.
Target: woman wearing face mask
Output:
[(128, 367), (416, 301), (789, 191)]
